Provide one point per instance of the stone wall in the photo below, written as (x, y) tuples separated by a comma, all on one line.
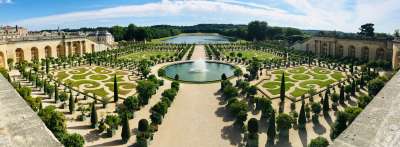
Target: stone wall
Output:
[(378, 125), (20, 126), (363, 49)]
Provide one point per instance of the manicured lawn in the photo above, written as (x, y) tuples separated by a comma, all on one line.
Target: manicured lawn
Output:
[(99, 92), (297, 70), (98, 77), (275, 87), (137, 56), (101, 70), (338, 75), (300, 79), (298, 92), (121, 87), (79, 70), (62, 75), (93, 78), (249, 54), (80, 76)]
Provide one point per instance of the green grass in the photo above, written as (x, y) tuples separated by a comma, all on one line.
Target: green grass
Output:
[(320, 70), (321, 84), (249, 54), (271, 85), (137, 56), (337, 75), (275, 87), (62, 75), (98, 77), (297, 70), (120, 86), (90, 83), (81, 76), (318, 76), (298, 92), (301, 77), (99, 92), (79, 70), (287, 78), (306, 78), (101, 70), (119, 79)]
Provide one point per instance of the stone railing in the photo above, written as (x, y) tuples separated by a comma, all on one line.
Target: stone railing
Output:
[(20, 126), (378, 125)]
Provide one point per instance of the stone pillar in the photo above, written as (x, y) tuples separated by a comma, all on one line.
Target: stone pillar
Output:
[(395, 56)]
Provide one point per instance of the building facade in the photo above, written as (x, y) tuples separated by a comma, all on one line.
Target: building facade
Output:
[(8, 32), (44, 48), (102, 37), (363, 49)]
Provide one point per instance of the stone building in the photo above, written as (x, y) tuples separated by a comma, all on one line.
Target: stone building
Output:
[(364, 49), (102, 37), (8, 32), (40, 48)]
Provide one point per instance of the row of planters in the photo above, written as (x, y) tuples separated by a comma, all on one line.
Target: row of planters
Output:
[(215, 52), (158, 111), (55, 121), (125, 112), (189, 56)]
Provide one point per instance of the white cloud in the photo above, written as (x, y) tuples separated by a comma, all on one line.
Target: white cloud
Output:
[(315, 14)]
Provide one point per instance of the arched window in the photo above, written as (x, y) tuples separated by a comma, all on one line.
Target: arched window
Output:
[(60, 51), (365, 53), (339, 51), (35, 53), (380, 54), (19, 54), (352, 51), (77, 48), (47, 51)]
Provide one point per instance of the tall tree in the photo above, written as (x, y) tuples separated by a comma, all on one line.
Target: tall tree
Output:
[(367, 30), (325, 104), (118, 32), (257, 30), (126, 133), (130, 32), (71, 103), (302, 117), (282, 91), (93, 116), (115, 89), (56, 93), (341, 96), (271, 132)]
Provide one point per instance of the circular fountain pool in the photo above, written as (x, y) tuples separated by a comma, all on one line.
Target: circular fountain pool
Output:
[(199, 71)]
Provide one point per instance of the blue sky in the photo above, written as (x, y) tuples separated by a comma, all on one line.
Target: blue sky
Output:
[(342, 15)]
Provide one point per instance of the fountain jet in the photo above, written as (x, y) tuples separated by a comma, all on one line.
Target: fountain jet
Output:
[(199, 66)]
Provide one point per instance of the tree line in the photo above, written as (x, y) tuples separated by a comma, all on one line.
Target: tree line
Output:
[(254, 31)]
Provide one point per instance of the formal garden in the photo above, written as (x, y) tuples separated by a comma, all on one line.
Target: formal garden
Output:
[(93, 97), (300, 81), (97, 80)]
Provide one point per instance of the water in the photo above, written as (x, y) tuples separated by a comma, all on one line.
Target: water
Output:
[(199, 66), (212, 72), (198, 39)]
